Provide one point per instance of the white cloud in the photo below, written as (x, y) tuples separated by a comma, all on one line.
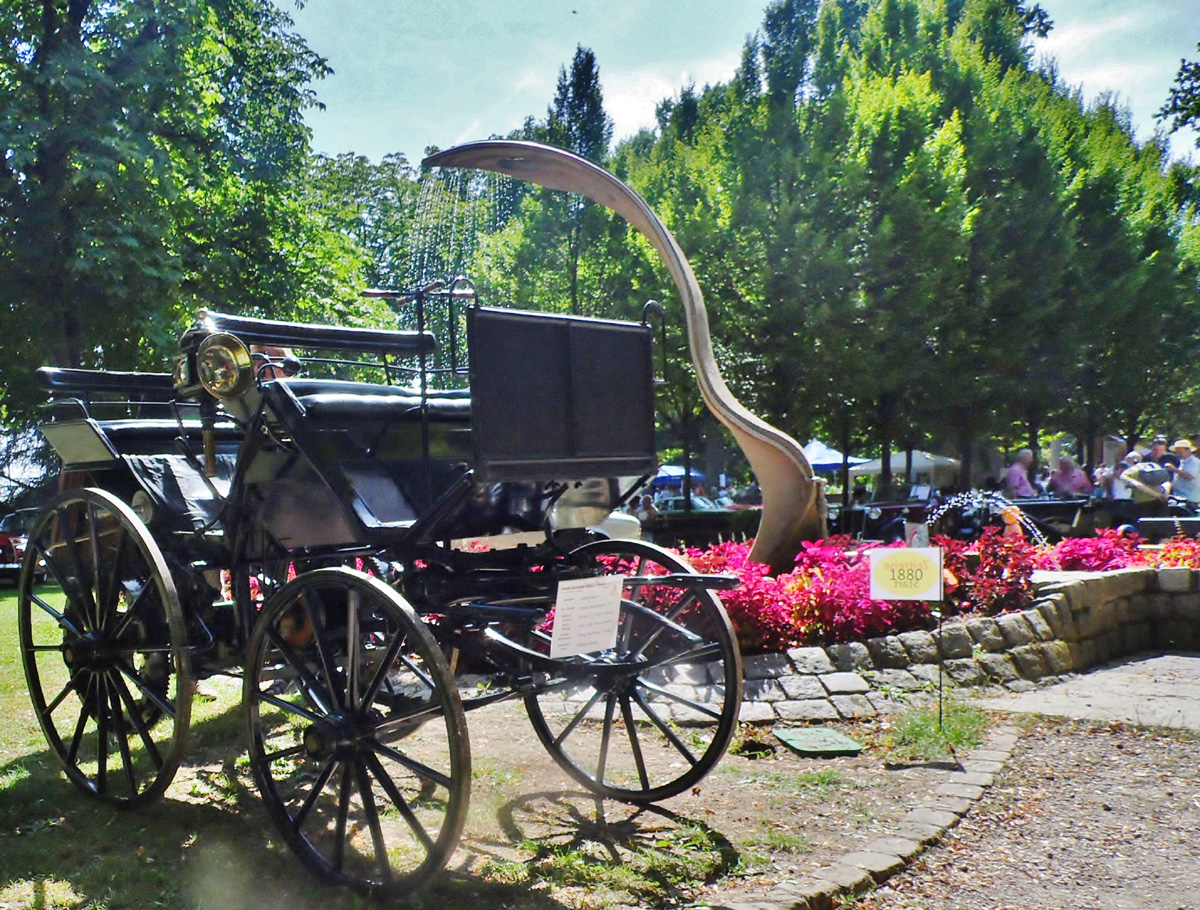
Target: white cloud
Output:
[(631, 96), (1087, 39)]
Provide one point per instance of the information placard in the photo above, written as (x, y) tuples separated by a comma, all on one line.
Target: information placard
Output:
[(912, 573), (586, 615)]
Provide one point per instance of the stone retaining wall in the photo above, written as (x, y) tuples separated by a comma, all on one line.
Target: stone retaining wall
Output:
[(1078, 620)]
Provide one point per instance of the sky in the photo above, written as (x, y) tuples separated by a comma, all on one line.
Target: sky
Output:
[(414, 73)]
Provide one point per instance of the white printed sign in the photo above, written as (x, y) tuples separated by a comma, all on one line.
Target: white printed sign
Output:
[(912, 573), (586, 615)]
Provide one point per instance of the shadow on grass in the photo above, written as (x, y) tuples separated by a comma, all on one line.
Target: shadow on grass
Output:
[(647, 856), (209, 844)]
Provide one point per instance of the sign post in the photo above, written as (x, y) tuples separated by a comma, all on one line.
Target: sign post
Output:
[(912, 573)]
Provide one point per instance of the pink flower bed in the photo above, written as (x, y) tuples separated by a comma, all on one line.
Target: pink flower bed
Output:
[(826, 599)]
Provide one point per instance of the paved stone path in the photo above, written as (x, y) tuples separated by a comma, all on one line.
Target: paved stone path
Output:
[(1161, 691)]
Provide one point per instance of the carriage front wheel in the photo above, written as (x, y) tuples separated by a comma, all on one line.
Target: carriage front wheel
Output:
[(104, 648), (358, 740), (649, 718)]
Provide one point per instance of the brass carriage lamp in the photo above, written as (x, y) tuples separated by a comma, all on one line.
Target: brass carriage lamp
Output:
[(224, 366)]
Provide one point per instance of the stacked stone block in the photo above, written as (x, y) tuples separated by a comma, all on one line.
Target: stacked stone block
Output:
[(1078, 620)]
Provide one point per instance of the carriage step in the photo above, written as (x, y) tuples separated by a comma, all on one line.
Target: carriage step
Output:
[(689, 580), (484, 612)]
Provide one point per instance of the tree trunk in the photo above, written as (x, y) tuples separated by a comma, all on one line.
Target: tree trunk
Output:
[(1034, 431), (687, 461), (844, 443), (886, 406)]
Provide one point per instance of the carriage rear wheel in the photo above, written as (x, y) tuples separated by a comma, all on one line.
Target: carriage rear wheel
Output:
[(105, 656), (649, 718), (358, 740)]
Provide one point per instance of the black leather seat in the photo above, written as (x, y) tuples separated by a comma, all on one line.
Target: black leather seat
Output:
[(340, 402)]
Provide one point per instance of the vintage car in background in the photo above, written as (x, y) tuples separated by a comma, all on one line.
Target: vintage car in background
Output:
[(14, 535), (963, 516), (704, 524)]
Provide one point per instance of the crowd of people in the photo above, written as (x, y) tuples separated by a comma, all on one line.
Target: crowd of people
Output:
[(1140, 484)]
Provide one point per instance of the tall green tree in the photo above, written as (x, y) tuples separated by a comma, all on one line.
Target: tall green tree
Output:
[(149, 156), (1183, 103)]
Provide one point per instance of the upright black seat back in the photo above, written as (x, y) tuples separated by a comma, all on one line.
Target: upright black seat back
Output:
[(559, 397)]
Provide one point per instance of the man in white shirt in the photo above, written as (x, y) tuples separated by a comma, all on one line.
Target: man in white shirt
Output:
[(1185, 479)]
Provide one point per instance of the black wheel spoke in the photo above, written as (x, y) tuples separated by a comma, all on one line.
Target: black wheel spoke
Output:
[(367, 796), (163, 704), (419, 671), (290, 706), (381, 672), (66, 624), (578, 718), (64, 692), (662, 622), (122, 734), (634, 743), (52, 566), (290, 752), (131, 613), (81, 723), (694, 655), (665, 621), (397, 799), (69, 533), (353, 652), (139, 724), (101, 734), (314, 794), (345, 791), (318, 614), (112, 595), (681, 699), (94, 543), (610, 704), (418, 768), (663, 728), (312, 690), (400, 722)]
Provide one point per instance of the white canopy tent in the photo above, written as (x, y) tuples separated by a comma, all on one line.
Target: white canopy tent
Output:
[(940, 469), (826, 458)]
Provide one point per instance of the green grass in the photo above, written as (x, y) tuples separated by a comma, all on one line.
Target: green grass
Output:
[(209, 844), (206, 844), (916, 734), (780, 840), (818, 784), (647, 871)]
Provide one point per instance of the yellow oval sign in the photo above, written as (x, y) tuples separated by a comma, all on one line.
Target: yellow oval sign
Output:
[(906, 574)]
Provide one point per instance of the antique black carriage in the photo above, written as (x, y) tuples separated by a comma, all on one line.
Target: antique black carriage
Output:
[(346, 517)]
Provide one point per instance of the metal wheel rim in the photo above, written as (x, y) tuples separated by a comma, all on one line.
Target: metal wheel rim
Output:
[(112, 703), (315, 750), (593, 766)]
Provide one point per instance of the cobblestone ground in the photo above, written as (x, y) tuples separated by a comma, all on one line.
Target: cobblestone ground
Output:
[(1085, 816)]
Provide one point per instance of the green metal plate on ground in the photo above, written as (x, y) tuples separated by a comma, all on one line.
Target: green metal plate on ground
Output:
[(818, 741)]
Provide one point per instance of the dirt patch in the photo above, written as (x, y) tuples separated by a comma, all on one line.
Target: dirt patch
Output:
[(535, 839), (763, 816), (1097, 816)]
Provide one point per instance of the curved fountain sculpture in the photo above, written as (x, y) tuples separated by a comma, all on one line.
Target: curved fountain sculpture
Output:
[(790, 512)]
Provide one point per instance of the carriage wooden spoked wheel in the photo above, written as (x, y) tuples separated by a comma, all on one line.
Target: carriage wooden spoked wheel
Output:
[(649, 718), (106, 659), (358, 741)]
